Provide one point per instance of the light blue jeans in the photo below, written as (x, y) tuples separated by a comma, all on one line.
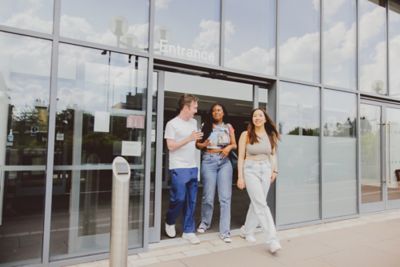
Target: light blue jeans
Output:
[(216, 173), (257, 176)]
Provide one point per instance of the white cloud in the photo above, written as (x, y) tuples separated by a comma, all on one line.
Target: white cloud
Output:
[(25, 67), (207, 39), (332, 7), (229, 30), (81, 29), (299, 57), (256, 59), (340, 53), (76, 27), (162, 4), (315, 4), (373, 74), (29, 20), (371, 24)]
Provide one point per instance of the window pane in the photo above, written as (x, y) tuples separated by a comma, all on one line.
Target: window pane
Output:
[(372, 47), (340, 43), (298, 154), (394, 48), (370, 148), (21, 228), (194, 35), (100, 104), (24, 99), (120, 23), (339, 150), (101, 114), (30, 15), (393, 148), (299, 39), (250, 50)]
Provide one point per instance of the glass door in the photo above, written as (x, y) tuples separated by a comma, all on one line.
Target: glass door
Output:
[(393, 156), (371, 135), (380, 158)]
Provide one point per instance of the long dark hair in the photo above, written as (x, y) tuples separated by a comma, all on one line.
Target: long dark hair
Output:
[(269, 126), (208, 122)]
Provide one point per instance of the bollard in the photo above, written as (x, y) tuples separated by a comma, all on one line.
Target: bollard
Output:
[(119, 213)]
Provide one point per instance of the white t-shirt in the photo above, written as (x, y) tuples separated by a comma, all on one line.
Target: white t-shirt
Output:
[(185, 156)]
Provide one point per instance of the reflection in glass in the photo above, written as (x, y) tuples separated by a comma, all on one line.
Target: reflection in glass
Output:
[(263, 99), (120, 23), (21, 227), (194, 36), (101, 114), (30, 15), (298, 157), (372, 46), (393, 152), (250, 50), (394, 48), (99, 105), (301, 106), (370, 136), (340, 43), (24, 99), (339, 154), (81, 220), (299, 39)]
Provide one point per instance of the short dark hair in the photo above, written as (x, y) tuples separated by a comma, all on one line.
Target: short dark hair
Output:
[(186, 100)]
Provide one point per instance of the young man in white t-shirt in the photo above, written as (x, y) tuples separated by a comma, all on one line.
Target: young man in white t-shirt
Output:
[(181, 134)]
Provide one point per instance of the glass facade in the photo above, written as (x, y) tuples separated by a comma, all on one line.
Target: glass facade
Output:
[(339, 154), (28, 15), (372, 47), (114, 121), (339, 43), (299, 44), (394, 48), (250, 50), (83, 82), (119, 23), (197, 39), (298, 184), (24, 102)]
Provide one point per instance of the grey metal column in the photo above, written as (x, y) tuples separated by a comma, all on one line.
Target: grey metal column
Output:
[(119, 213), (51, 134)]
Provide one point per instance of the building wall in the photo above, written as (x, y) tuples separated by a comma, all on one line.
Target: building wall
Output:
[(75, 91)]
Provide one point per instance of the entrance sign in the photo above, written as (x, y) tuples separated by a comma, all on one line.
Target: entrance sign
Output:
[(189, 53)]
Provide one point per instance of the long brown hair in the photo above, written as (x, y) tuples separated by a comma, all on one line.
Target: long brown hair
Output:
[(269, 126)]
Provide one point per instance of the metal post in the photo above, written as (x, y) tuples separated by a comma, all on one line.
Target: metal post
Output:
[(119, 213)]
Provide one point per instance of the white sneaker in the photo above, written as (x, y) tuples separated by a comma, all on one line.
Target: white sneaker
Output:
[(274, 247), (248, 237), (191, 237), (201, 230), (226, 239), (170, 230)]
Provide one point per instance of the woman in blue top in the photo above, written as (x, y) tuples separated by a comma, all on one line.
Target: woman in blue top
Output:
[(216, 169)]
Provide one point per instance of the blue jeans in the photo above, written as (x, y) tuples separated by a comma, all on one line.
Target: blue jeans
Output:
[(216, 173), (182, 195)]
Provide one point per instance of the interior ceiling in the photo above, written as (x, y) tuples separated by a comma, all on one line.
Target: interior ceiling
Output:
[(234, 107)]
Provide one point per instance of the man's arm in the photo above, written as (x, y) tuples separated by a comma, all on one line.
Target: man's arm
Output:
[(174, 145)]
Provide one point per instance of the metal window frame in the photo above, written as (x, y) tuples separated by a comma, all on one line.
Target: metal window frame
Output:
[(276, 79)]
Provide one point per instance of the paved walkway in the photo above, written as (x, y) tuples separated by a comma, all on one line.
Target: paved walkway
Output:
[(367, 241)]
